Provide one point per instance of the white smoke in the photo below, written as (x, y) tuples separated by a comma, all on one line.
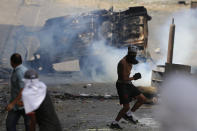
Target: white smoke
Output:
[(177, 110), (185, 37), (110, 56), (146, 71), (47, 38)]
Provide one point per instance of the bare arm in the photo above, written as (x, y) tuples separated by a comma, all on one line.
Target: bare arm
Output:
[(131, 78), (18, 98), (126, 78), (15, 101), (32, 117)]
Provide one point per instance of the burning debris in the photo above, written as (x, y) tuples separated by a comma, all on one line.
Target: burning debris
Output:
[(72, 37)]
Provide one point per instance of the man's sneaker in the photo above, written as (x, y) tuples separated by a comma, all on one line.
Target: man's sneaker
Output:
[(115, 126), (130, 119)]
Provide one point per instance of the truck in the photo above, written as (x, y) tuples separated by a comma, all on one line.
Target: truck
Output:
[(70, 37)]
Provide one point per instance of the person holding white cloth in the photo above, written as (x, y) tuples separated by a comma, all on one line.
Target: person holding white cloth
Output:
[(38, 104)]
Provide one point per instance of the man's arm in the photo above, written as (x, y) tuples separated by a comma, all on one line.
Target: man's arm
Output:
[(32, 117), (126, 74), (18, 98), (15, 101), (128, 78)]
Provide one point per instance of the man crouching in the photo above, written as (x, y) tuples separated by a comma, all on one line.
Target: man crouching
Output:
[(126, 90)]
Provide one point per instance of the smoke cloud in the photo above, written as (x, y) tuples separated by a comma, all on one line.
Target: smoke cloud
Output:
[(57, 40), (177, 110), (49, 44), (146, 71), (109, 58), (185, 39)]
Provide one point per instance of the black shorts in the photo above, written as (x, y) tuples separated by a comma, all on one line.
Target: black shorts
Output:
[(126, 92)]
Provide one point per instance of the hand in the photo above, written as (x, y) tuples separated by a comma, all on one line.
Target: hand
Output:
[(137, 76), (10, 107), (19, 103)]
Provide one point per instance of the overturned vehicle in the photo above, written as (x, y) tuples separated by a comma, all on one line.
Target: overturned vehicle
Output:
[(70, 37)]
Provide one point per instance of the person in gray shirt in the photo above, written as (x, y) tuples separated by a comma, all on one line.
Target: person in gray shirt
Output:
[(14, 108)]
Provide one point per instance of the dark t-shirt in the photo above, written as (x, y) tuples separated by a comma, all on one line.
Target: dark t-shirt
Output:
[(46, 116)]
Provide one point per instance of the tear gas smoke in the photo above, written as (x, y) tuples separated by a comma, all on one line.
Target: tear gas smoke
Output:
[(177, 110), (185, 39), (110, 58), (146, 71), (100, 65), (51, 45)]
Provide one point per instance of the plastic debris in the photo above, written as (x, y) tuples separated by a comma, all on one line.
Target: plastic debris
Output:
[(158, 50)]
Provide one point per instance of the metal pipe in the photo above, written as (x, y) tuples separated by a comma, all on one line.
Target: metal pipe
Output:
[(171, 42)]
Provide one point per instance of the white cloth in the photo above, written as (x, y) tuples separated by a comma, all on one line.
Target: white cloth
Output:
[(33, 94)]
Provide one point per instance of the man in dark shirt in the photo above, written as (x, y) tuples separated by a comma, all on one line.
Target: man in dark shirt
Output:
[(38, 104), (126, 90)]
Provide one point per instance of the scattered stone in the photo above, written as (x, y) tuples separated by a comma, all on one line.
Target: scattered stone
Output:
[(155, 100), (157, 50), (107, 96), (83, 94), (69, 116), (87, 85), (93, 106), (78, 110), (124, 122)]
